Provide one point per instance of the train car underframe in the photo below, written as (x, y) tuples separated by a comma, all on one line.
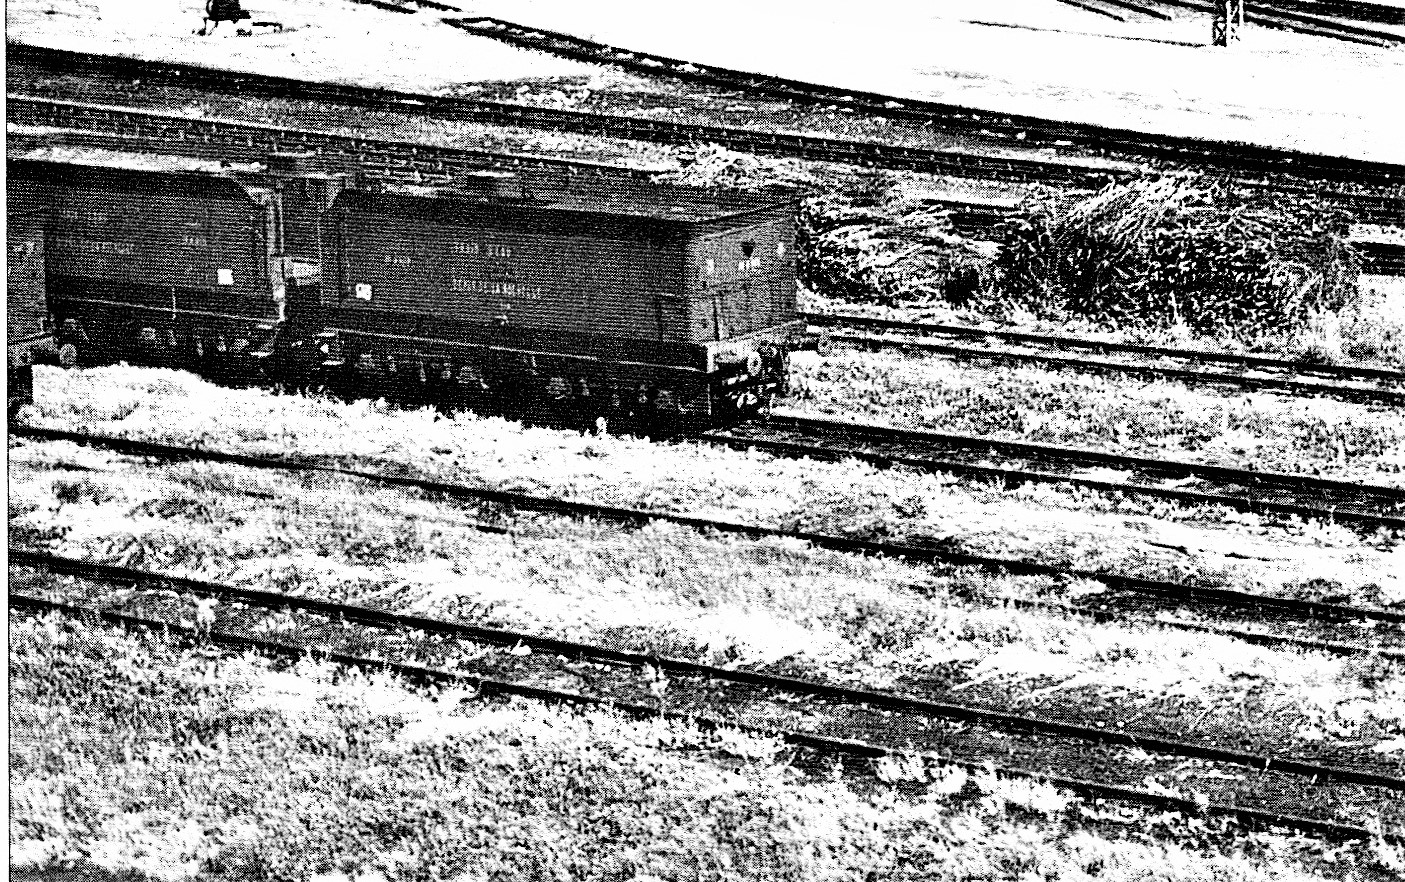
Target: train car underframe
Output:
[(548, 388), (217, 345)]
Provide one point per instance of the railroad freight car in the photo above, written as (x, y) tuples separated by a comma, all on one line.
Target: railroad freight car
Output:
[(161, 262), (548, 293), (651, 307), (29, 336)]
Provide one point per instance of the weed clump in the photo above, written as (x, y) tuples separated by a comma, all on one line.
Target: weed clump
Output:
[(1179, 250), (872, 249)]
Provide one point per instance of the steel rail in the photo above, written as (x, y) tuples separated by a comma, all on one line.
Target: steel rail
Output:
[(1235, 156), (1145, 371), (1002, 721), (36, 110), (1241, 360), (1256, 638), (1250, 818), (216, 138), (1097, 8), (1010, 477), (1303, 609), (1370, 207), (1143, 8), (1168, 467)]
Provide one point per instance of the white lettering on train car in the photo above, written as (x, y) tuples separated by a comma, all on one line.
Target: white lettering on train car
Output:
[(94, 246), (501, 289)]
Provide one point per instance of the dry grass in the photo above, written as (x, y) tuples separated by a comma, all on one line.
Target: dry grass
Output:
[(129, 753), (1047, 523), (1357, 442), (669, 590)]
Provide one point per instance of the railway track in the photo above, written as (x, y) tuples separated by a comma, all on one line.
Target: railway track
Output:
[(1293, 173), (1155, 592), (1363, 383), (1233, 157), (79, 124), (849, 720), (1332, 629), (817, 148), (1368, 507)]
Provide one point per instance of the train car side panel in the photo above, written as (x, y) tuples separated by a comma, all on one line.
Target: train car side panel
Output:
[(498, 270)]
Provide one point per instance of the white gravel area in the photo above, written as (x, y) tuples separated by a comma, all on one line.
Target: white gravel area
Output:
[(1276, 88)]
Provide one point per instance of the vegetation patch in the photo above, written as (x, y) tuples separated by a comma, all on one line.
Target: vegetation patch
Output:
[(130, 752), (727, 600), (872, 247), (1157, 419), (1182, 250)]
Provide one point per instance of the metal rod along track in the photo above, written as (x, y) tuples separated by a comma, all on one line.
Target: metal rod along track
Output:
[(1167, 467)]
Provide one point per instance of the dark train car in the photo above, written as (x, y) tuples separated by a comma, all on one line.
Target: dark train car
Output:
[(29, 332), (639, 303), (168, 265)]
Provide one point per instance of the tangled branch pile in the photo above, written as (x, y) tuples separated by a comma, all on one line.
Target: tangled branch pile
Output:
[(1178, 250), (862, 251)]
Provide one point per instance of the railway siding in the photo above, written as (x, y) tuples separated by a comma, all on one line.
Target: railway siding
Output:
[(833, 718), (932, 554)]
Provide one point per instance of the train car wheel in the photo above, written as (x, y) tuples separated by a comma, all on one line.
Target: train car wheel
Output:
[(68, 355)]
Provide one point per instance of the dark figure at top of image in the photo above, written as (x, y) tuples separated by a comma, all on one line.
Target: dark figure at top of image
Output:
[(229, 10)]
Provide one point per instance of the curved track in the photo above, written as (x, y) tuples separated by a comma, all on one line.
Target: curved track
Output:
[(1346, 785)]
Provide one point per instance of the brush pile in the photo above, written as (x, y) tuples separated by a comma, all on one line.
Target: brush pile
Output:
[(1180, 250), (866, 251)]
